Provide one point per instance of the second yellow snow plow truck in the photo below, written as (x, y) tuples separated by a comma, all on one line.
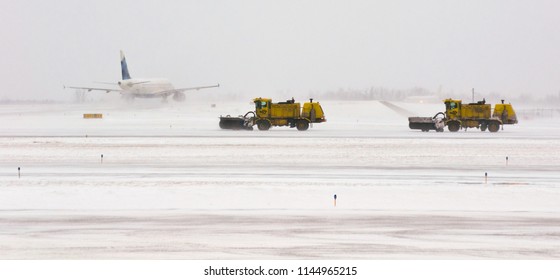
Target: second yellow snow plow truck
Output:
[(458, 115), (268, 114)]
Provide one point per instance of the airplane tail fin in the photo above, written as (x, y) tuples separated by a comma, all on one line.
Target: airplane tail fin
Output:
[(124, 68)]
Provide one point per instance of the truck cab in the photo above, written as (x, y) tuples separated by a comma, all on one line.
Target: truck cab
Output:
[(262, 107), (452, 108)]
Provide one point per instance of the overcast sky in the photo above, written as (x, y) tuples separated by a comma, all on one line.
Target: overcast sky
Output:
[(257, 47)]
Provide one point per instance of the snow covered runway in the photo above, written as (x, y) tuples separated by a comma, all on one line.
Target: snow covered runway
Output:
[(212, 194), (277, 234)]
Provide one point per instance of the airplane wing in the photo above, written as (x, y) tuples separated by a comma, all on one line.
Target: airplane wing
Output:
[(173, 91), (195, 88), (92, 88)]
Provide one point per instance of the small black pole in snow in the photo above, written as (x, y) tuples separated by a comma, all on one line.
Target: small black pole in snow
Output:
[(101, 158), (485, 177), (18, 172), (334, 200), (507, 158)]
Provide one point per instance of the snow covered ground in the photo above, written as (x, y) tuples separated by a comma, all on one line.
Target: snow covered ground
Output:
[(172, 185)]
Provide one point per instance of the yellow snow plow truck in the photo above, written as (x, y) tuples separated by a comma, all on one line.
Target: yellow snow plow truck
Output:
[(473, 115), (268, 114)]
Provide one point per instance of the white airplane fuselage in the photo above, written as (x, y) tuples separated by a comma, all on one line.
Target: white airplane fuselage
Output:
[(144, 87)]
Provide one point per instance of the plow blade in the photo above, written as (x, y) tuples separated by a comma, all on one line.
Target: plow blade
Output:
[(235, 123), (425, 123)]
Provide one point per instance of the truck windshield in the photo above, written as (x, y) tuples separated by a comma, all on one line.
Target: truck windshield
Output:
[(260, 104), (452, 105)]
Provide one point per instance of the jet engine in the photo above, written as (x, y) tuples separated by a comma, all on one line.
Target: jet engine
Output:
[(179, 96)]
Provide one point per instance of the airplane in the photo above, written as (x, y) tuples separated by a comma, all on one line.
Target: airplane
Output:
[(144, 88)]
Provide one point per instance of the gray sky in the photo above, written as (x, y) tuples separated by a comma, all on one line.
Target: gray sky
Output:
[(260, 47)]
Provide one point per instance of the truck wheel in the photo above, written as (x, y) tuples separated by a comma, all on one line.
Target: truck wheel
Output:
[(263, 124), (302, 125), (453, 126), (494, 126), (483, 127)]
